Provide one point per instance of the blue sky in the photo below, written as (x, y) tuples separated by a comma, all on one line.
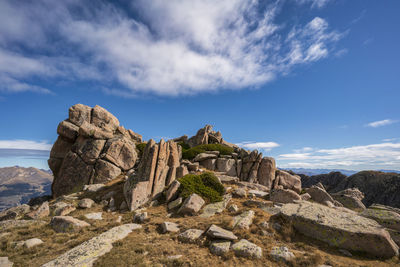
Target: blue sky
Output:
[(313, 83)]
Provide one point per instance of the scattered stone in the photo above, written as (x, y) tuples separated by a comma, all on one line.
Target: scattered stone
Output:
[(9, 224), (5, 262), (340, 229), (281, 254), (41, 212), (92, 188), (346, 252), (174, 257), (32, 242), (319, 195), (172, 192), (233, 208), (225, 179), (220, 247), (67, 224), (190, 236), (239, 192), (64, 210), (175, 204), (264, 225), (284, 196), (169, 227), (191, 205), (94, 216), (244, 248), (272, 210), (85, 203), (88, 252), (258, 203), (217, 207), (140, 217), (258, 193), (216, 232), (305, 196), (244, 220), (10, 215), (119, 219)]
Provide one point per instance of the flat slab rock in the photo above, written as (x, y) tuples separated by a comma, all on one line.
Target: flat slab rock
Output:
[(217, 232), (244, 220), (67, 224), (244, 248), (217, 207), (340, 229), (190, 236), (88, 252), (94, 216), (220, 247)]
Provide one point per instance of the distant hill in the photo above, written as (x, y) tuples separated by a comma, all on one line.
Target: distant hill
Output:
[(19, 184), (311, 172), (377, 186)]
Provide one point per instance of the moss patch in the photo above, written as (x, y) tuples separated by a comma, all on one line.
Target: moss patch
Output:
[(190, 153), (206, 185)]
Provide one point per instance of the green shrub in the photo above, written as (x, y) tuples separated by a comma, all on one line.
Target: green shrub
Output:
[(140, 147), (184, 146), (194, 151), (206, 185)]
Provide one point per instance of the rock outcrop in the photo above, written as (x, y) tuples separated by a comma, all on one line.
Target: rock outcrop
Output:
[(91, 148)]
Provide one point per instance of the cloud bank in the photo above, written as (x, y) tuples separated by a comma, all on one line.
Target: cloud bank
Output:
[(159, 47), (376, 124), (262, 146)]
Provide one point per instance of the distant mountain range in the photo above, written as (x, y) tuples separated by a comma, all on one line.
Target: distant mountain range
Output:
[(19, 184), (311, 172)]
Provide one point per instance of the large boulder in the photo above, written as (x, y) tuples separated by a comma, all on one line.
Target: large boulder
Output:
[(201, 136), (287, 181), (340, 229), (266, 171), (386, 218), (350, 198), (91, 148), (227, 165), (284, 196), (319, 195)]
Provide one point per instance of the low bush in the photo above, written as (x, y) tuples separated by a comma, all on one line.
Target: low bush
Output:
[(206, 185), (140, 148), (190, 153)]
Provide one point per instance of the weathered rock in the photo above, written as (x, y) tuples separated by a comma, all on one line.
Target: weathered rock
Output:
[(252, 186), (172, 192), (135, 136), (136, 193), (281, 254), (239, 192), (64, 210), (244, 248), (181, 171), (104, 119), (216, 232), (193, 167), (305, 196), (266, 172), (32, 242), (72, 176), (209, 164), (88, 149), (319, 195), (60, 149), (258, 193), (383, 207), (10, 224), (67, 224), (140, 217), (5, 262), (190, 236), (288, 181), (387, 218), (88, 252), (220, 247), (68, 130), (105, 171), (191, 205), (121, 151), (340, 229), (226, 179), (284, 196), (349, 201), (42, 211), (91, 131), (217, 207), (175, 203), (169, 227), (85, 203), (233, 208), (203, 156), (227, 165), (9, 215), (244, 220), (162, 168), (94, 216), (93, 187), (79, 113), (201, 136), (173, 162)]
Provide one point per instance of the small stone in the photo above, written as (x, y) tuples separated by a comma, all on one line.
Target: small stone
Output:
[(119, 219), (217, 232), (233, 208), (175, 204), (94, 216), (220, 247), (10, 215), (169, 227), (93, 187), (32, 242), (41, 212), (244, 248), (123, 206), (140, 217), (85, 203), (174, 257), (65, 210), (264, 225), (5, 262), (305, 196), (67, 224), (239, 193), (244, 220), (190, 236), (258, 193), (191, 205), (281, 254), (172, 191)]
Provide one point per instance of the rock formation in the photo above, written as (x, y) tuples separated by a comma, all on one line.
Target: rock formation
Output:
[(91, 148)]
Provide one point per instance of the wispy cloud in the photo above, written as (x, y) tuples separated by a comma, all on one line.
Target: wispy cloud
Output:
[(265, 146), (173, 48), (304, 149), (374, 156), (25, 144), (381, 123), (390, 139)]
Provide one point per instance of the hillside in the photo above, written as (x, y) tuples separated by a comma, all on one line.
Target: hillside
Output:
[(19, 184)]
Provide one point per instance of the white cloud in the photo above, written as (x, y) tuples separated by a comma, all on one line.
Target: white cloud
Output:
[(315, 3), (374, 156), (174, 48), (302, 150), (390, 139), (266, 146), (25, 144), (381, 123)]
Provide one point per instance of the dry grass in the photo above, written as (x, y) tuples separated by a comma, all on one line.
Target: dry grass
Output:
[(148, 247)]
